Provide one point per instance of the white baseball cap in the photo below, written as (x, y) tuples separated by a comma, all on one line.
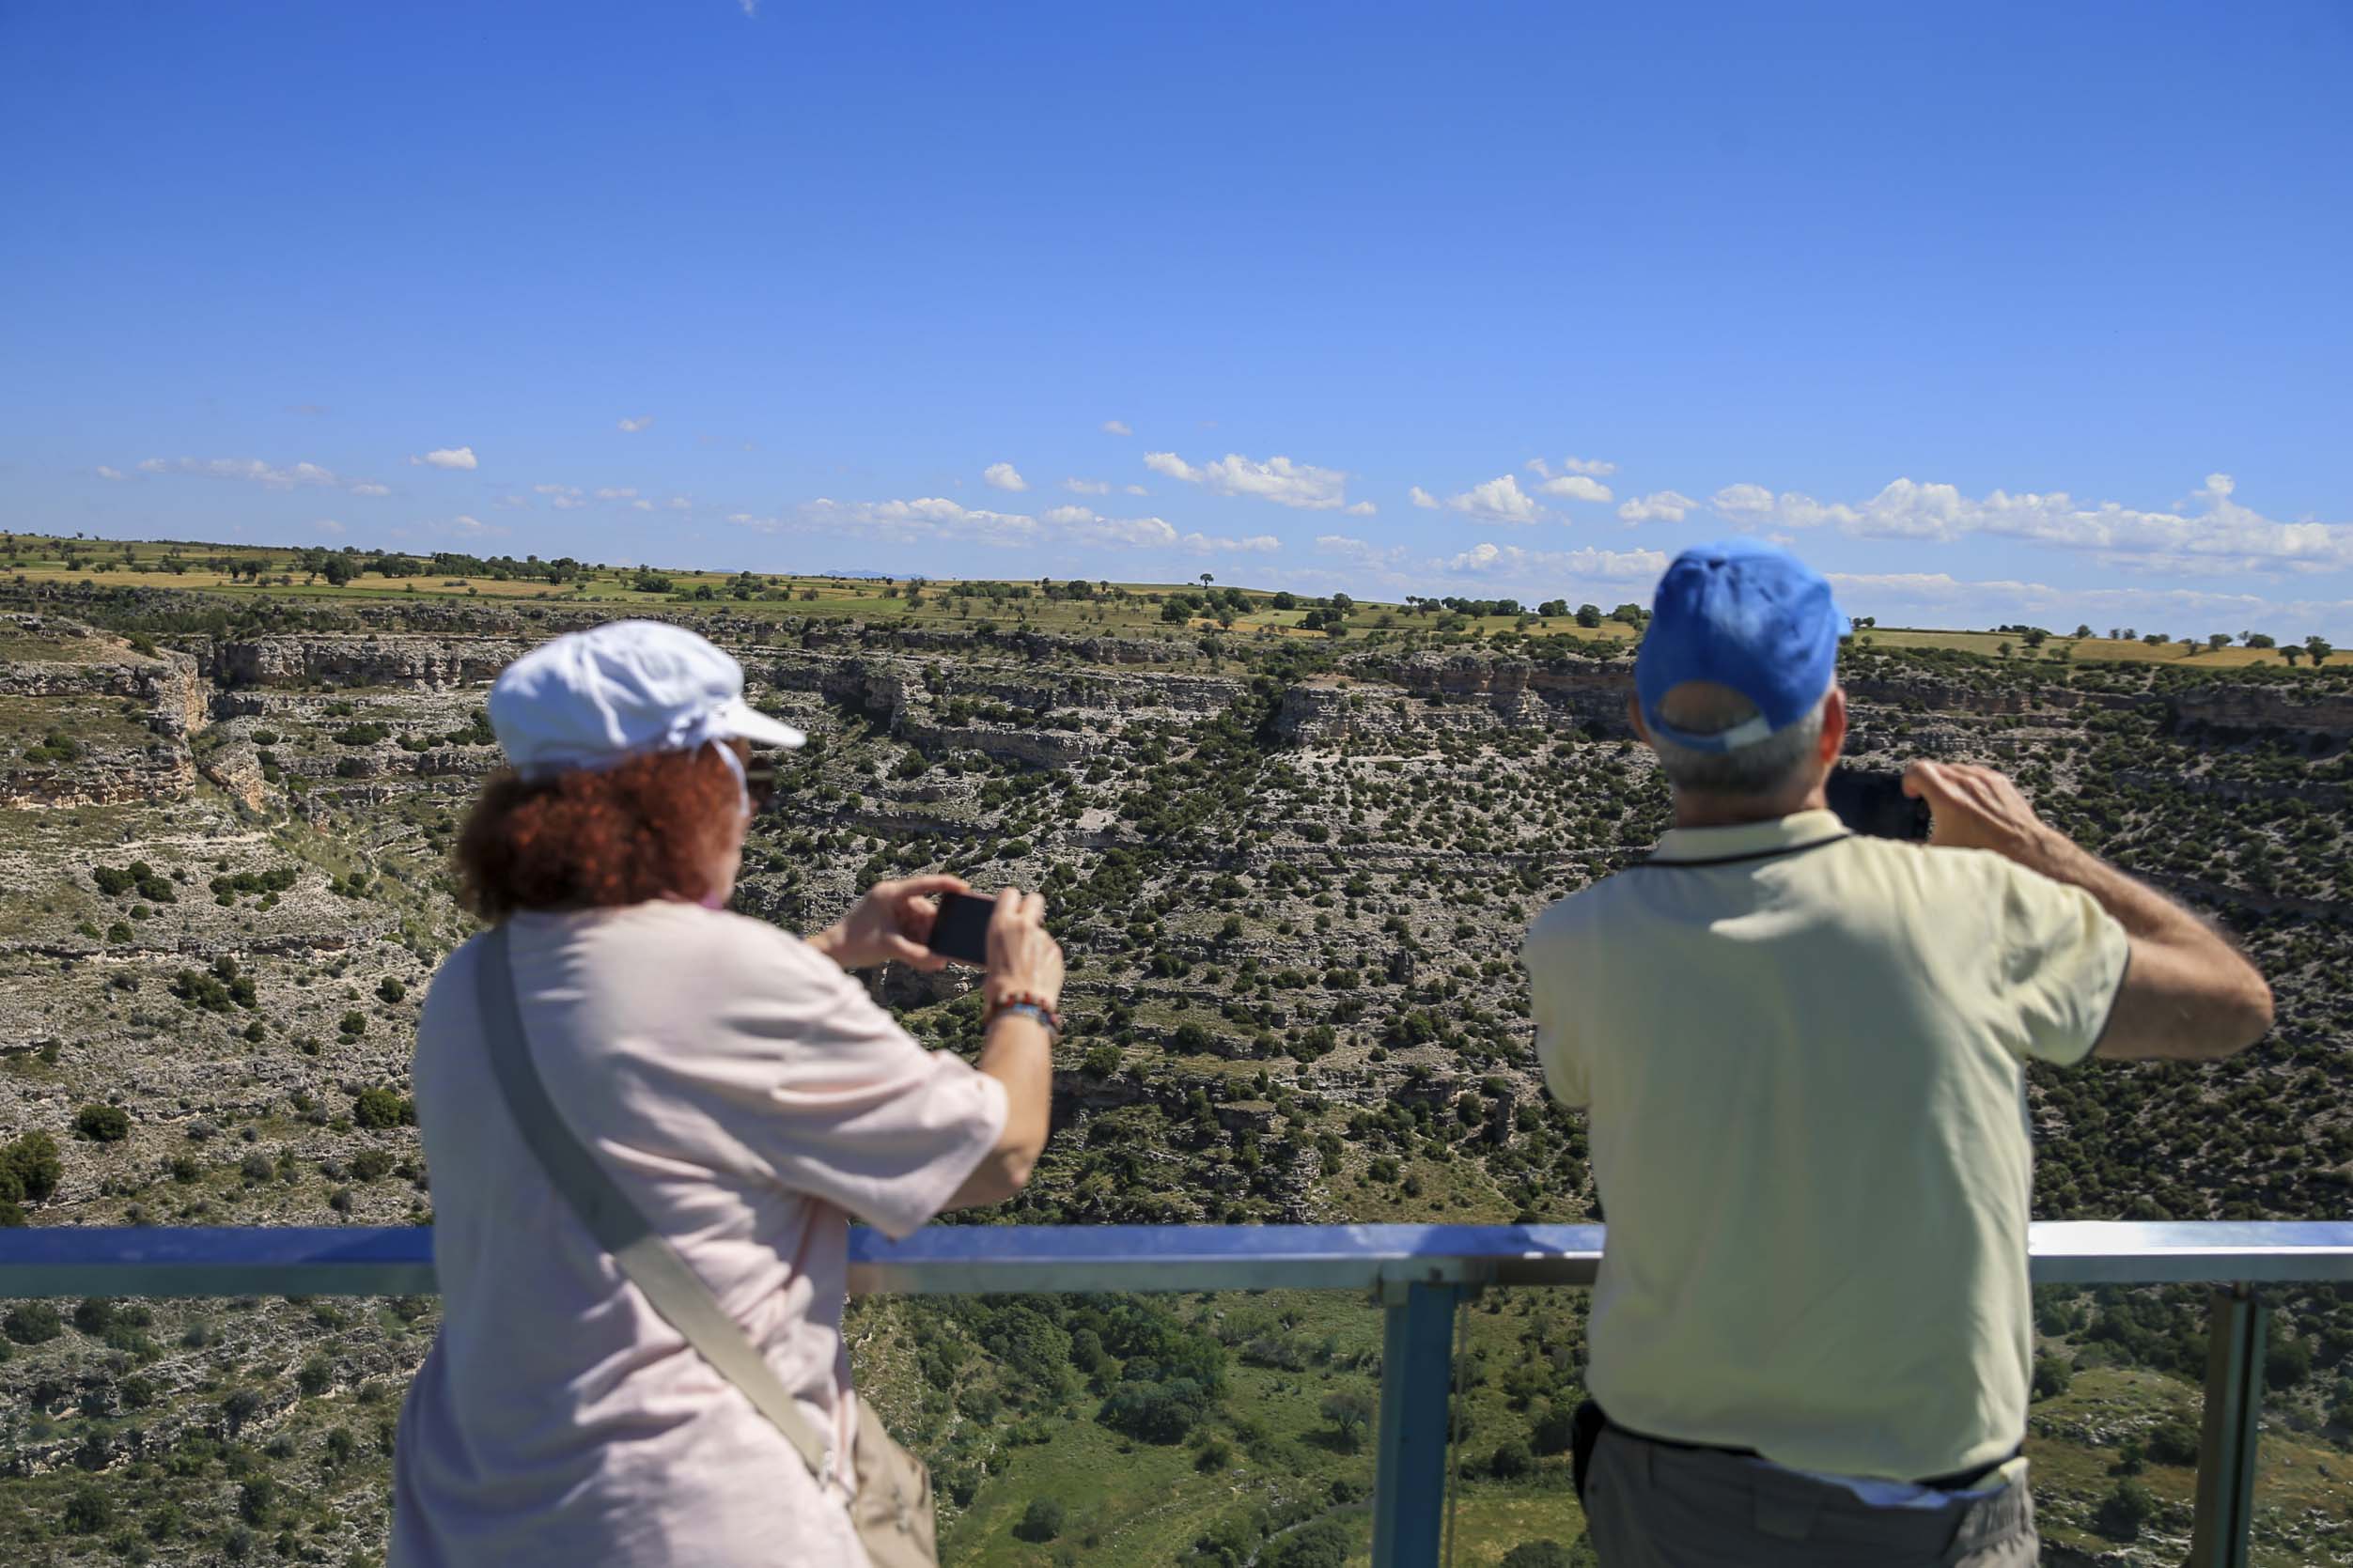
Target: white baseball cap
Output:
[(597, 698)]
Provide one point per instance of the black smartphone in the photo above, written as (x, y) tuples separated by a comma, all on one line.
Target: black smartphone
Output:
[(1873, 803), (960, 929)]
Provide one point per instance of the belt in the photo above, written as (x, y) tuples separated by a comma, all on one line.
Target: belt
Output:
[(1958, 1480)]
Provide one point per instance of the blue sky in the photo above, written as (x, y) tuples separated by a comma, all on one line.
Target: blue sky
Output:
[(1996, 312)]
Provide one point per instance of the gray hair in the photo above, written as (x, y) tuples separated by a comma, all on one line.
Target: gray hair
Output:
[(1760, 771)]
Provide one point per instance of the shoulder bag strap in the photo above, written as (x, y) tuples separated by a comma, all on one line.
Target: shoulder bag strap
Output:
[(651, 1263)]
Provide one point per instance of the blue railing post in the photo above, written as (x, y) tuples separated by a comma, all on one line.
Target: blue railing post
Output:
[(1417, 1371), (2227, 1438)]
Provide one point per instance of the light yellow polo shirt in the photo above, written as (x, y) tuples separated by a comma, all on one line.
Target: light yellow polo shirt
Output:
[(1802, 1051)]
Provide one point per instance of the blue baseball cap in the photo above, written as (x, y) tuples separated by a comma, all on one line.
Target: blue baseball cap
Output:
[(1747, 616)]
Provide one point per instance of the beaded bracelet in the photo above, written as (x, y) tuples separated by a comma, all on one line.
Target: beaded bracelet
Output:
[(1027, 1002)]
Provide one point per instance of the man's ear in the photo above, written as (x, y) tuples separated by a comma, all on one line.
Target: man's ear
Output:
[(1834, 724), (1634, 717)]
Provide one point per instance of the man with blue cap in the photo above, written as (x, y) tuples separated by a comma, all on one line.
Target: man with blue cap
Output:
[(1802, 1053)]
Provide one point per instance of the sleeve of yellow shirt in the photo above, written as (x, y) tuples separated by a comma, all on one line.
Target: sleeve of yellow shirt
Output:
[(2061, 960), (1558, 1048)]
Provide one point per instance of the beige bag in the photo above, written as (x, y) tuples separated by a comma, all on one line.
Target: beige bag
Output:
[(892, 1510)]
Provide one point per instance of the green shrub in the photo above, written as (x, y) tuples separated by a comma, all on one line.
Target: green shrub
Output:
[(2124, 1512), (1538, 1554), (2173, 1442), (1323, 1544), (390, 990), (56, 746), (2287, 1362), (1041, 1521), (29, 1167), (354, 1023), (1156, 1412), (89, 1511), (103, 1124), (1556, 1430), (377, 1109), (32, 1323)]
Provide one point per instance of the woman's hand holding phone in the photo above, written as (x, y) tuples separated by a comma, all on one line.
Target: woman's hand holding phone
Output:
[(892, 920)]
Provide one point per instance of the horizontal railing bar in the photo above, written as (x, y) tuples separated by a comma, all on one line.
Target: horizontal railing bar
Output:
[(1011, 1259)]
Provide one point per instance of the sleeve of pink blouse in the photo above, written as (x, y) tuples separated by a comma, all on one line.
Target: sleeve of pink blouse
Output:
[(855, 1111)]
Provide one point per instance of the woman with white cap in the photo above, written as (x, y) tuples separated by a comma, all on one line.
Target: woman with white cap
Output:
[(649, 1124)]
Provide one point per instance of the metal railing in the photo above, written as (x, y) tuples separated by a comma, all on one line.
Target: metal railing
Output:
[(1421, 1274)]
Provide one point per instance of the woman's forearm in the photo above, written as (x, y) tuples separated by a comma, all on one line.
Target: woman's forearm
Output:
[(1019, 1054)]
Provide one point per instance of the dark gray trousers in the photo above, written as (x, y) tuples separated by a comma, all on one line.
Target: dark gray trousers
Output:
[(1651, 1506)]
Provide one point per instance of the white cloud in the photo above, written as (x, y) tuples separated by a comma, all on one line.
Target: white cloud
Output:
[(1004, 476), (933, 520), (1499, 499), (1575, 486), (1139, 532), (679, 504), (928, 518), (328, 525), (1600, 470), (1614, 566), (512, 502), (1084, 524), (2220, 535), (469, 527), (1362, 509), (1937, 598), (642, 505), (565, 498), (643, 422), (751, 8), (1743, 502), (1137, 489), (1278, 479), (105, 473), (370, 487), (1423, 499), (1116, 427), (1658, 506), (249, 469), (1087, 487), (1358, 550), (450, 456), (617, 493)]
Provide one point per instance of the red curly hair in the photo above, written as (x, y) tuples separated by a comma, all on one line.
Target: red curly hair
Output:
[(586, 840)]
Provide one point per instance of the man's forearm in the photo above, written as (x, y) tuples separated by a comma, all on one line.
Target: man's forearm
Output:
[(2190, 994), (2141, 910)]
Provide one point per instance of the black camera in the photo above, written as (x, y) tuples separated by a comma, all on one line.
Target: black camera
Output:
[(1874, 802)]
